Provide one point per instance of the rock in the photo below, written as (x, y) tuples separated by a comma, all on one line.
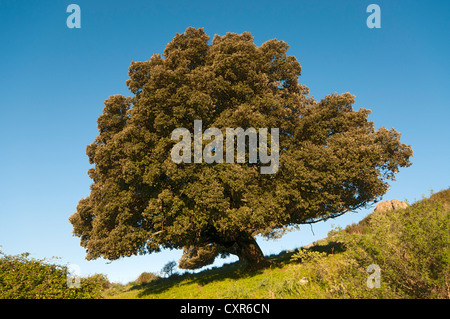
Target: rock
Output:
[(303, 281), (396, 204), (388, 205)]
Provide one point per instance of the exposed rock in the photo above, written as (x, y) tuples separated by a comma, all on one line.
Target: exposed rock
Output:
[(396, 204), (303, 281), (388, 205)]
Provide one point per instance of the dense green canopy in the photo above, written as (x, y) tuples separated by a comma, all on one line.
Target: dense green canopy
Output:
[(331, 158)]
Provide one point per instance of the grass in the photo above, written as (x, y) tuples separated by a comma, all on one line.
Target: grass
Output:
[(325, 275), (411, 247)]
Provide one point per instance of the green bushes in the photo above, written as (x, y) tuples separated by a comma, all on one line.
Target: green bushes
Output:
[(411, 246), (145, 278), (25, 278)]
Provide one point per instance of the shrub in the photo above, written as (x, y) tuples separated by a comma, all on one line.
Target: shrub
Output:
[(305, 255), (26, 278), (145, 278), (411, 246)]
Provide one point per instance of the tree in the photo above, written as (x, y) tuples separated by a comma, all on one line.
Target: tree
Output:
[(169, 268), (331, 159)]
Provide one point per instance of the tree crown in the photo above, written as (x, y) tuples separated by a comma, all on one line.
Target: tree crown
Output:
[(331, 159)]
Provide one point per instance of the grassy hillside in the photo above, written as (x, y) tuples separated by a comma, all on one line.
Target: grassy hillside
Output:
[(410, 246)]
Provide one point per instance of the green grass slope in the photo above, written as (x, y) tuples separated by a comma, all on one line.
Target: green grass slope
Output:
[(410, 247)]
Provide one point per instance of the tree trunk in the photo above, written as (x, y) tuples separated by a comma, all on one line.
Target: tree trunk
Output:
[(248, 251)]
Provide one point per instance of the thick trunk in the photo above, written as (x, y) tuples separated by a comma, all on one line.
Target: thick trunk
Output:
[(247, 249)]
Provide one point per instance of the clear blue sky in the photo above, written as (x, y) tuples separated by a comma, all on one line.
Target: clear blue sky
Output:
[(54, 80)]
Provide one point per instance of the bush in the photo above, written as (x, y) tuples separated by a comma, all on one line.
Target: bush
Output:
[(304, 255), (25, 278), (145, 278), (411, 246)]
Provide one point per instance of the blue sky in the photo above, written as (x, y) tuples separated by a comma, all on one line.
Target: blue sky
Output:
[(54, 80)]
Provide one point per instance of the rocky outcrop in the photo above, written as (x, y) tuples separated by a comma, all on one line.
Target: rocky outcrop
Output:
[(388, 205)]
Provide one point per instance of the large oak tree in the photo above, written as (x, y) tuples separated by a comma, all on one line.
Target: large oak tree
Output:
[(331, 159)]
